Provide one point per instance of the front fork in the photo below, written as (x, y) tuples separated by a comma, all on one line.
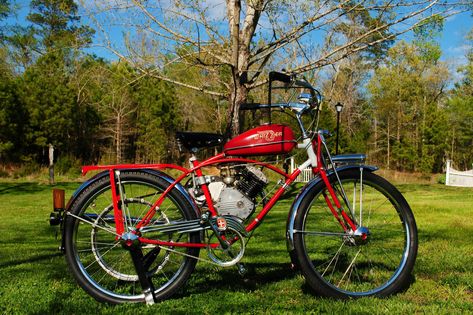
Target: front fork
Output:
[(345, 221)]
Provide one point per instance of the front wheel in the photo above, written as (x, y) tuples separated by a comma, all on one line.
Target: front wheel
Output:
[(377, 259)]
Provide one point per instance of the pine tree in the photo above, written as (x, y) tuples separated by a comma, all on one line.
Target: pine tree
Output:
[(46, 90)]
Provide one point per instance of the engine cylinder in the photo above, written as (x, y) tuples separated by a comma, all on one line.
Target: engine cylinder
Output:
[(252, 182)]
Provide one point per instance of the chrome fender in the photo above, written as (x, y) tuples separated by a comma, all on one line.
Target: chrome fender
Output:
[(303, 193)]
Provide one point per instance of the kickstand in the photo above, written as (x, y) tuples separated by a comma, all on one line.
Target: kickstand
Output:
[(145, 281)]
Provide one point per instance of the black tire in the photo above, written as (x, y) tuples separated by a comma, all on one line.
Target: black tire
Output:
[(98, 261), (338, 265)]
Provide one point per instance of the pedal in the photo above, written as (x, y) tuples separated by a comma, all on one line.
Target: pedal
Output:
[(242, 271)]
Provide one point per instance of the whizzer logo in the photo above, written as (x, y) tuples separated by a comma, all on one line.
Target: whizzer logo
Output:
[(268, 135)]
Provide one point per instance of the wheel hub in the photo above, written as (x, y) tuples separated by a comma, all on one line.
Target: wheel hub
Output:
[(129, 239), (361, 236)]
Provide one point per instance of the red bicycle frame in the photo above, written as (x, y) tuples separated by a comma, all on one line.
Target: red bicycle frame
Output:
[(315, 159)]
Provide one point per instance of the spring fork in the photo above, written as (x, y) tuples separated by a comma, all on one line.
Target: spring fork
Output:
[(342, 190)]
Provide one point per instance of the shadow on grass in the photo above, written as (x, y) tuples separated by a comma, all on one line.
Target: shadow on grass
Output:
[(33, 187), (22, 188), (258, 274), (28, 260), (292, 192)]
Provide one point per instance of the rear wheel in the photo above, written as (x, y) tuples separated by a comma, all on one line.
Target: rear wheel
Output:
[(96, 257), (377, 259)]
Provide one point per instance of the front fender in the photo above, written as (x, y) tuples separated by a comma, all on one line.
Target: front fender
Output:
[(303, 193)]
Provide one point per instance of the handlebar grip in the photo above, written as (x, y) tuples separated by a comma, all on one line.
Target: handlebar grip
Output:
[(278, 76)]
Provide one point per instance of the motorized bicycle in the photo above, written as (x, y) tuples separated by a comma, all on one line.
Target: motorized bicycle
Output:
[(132, 233)]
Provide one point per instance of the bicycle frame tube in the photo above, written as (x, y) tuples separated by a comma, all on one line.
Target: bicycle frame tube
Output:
[(315, 160), (220, 159)]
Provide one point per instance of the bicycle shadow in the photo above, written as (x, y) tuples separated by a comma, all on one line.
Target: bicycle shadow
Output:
[(257, 275)]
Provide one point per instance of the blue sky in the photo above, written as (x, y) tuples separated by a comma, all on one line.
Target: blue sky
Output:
[(452, 40)]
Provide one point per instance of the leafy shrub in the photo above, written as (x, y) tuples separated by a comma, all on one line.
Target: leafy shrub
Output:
[(28, 168), (67, 165), (442, 179)]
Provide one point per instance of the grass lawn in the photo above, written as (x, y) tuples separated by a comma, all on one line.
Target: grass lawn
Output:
[(34, 278)]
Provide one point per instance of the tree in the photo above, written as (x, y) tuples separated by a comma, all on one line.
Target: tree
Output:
[(87, 118), (460, 116), (117, 107), (51, 105), (4, 11), (47, 49), (136, 116), (157, 119), (56, 23), (245, 38), (12, 113), (407, 97), (54, 26), (12, 118)]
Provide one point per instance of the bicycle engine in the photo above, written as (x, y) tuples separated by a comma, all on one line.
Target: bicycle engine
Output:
[(234, 192)]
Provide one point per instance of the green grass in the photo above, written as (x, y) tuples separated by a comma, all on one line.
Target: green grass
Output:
[(34, 278)]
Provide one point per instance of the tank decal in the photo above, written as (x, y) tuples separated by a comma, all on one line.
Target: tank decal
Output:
[(262, 140)]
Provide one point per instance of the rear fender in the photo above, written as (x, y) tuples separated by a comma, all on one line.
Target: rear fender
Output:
[(103, 174), (300, 197), (163, 175)]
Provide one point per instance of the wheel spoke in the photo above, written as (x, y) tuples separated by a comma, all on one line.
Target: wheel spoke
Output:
[(349, 267), (334, 257)]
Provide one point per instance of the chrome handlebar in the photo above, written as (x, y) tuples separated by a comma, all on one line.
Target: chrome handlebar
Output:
[(306, 101)]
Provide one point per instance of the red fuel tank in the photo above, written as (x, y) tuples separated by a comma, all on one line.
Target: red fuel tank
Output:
[(262, 140)]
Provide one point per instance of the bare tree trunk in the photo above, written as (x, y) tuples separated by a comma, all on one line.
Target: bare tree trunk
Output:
[(240, 39), (452, 145), (417, 142), (398, 134), (118, 139), (376, 139), (375, 135), (389, 144), (237, 98)]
